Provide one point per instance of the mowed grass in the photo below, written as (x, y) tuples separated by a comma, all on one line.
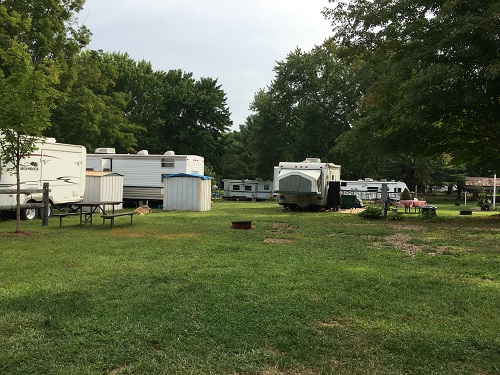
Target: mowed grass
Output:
[(300, 293)]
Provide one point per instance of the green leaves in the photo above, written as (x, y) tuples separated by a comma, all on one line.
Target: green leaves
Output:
[(437, 77)]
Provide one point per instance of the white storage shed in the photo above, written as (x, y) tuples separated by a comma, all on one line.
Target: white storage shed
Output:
[(187, 192), (103, 186)]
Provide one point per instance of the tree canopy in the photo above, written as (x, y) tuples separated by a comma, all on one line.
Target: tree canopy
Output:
[(437, 74), (304, 109)]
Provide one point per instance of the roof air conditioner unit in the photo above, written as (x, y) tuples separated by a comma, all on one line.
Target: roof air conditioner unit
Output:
[(105, 150)]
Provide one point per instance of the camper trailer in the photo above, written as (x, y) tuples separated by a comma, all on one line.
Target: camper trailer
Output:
[(254, 190), (371, 190), (142, 172), (61, 165), (307, 184)]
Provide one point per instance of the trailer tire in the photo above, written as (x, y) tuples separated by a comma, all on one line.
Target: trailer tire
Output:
[(29, 213)]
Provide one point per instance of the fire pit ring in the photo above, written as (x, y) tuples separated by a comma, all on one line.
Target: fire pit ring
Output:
[(241, 224)]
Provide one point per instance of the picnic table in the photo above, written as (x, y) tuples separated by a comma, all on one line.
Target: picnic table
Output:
[(88, 209), (409, 203)]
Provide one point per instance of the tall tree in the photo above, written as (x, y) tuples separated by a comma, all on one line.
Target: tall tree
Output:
[(37, 40), (91, 112), (177, 111), (48, 28), (26, 97), (437, 73), (304, 109)]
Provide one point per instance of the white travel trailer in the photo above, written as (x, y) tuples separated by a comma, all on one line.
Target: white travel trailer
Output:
[(305, 185), (61, 165), (371, 190), (142, 172), (254, 190)]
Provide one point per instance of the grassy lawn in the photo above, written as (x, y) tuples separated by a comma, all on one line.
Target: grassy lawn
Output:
[(300, 293)]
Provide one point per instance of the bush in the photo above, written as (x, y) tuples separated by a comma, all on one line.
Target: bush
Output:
[(396, 216), (406, 195), (372, 212)]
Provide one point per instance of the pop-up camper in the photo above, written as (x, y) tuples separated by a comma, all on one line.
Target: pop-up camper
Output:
[(306, 185)]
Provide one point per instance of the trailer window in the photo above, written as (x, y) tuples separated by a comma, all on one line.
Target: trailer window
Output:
[(266, 187), (248, 187), (167, 162), (342, 183), (372, 188), (236, 187)]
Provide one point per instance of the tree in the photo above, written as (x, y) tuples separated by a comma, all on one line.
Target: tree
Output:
[(304, 109), (91, 112), (26, 97), (47, 27), (176, 111), (436, 74), (37, 40)]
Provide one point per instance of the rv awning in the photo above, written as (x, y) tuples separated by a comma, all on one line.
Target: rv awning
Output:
[(299, 181)]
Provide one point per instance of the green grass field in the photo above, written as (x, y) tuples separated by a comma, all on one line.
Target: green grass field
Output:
[(300, 293)]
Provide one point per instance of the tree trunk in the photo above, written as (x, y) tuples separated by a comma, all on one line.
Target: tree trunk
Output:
[(18, 198)]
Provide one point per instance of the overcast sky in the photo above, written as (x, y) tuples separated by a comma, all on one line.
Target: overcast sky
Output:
[(237, 42)]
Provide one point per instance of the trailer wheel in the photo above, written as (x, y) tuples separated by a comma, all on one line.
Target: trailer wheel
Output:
[(29, 213)]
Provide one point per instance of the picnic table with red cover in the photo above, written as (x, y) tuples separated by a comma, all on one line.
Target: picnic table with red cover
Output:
[(412, 203)]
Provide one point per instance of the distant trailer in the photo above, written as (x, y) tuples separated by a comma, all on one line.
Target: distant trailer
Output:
[(254, 190), (142, 172), (371, 190)]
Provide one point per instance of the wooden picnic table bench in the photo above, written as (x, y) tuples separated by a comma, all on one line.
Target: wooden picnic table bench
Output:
[(111, 217), (65, 214)]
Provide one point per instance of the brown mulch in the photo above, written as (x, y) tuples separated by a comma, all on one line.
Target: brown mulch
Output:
[(23, 233)]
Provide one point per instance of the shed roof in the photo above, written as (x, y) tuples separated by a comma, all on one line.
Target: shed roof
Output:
[(479, 182), (101, 174)]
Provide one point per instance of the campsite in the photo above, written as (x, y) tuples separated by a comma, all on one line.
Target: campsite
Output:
[(337, 215), (299, 293)]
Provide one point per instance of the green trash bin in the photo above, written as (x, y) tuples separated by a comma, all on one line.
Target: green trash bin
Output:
[(351, 201)]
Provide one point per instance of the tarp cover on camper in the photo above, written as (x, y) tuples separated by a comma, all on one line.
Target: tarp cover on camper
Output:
[(299, 181)]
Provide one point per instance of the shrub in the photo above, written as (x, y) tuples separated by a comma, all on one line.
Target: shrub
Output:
[(372, 212), (396, 216), (406, 195)]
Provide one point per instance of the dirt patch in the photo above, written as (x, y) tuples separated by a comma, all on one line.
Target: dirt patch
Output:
[(415, 228), (126, 233), (351, 210), (178, 235), (330, 324), (399, 241), (282, 226), (277, 240)]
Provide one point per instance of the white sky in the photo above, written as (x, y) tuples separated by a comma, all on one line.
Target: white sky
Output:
[(237, 42)]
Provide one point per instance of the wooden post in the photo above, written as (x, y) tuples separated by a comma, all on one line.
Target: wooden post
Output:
[(46, 204)]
